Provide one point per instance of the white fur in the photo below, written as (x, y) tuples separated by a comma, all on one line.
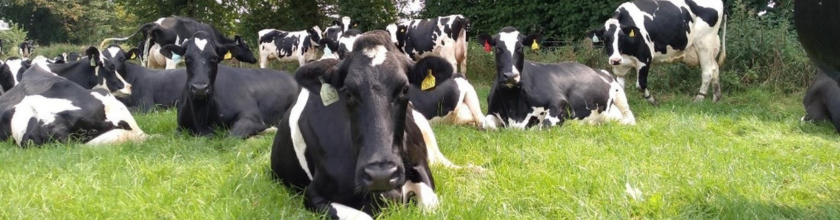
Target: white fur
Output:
[(113, 50), (392, 29), (297, 137), (346, 213), (427, 199), (116, 111), (270, 50), (15, 65), (159, 21), (378, 54), (492, 122), (433, 151), (200, 43), (41, 108), (510, 40)]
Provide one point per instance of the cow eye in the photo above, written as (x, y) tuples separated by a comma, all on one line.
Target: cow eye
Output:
[(122, 58), (499, 50), (213, 59)]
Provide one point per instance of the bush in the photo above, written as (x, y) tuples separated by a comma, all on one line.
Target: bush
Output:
[(11, 39)]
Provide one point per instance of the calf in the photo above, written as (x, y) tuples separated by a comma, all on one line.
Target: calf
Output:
[(445, 36), (283, 46), (527, 93), (818, 30), (44, 108), (11, 72), (644, 32), (243, 100), (150, 88), (356, 142), (822, 101), (25, 49)]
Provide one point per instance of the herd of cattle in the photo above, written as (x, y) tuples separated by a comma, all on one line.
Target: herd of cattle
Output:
[(353, 125)]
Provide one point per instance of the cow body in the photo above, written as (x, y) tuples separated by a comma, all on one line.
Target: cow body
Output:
[(527, 93), (92, 71), (445, 36), (364, 147), (11, 72), (150, 88), (44, 108), (822, 101), (244, 101), (301, 46), (818, 30), (641, 33)]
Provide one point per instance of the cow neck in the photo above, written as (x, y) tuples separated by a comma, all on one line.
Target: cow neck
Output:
[(200, 110), (512, 102)]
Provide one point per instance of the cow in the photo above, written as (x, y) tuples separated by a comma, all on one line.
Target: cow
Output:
[(174, 30), (641, 33), (341, 47), (284, 45), (46, 108), (25, 49), (241, 100), (92, 71), (356, 143), (149, 87), (339, 27), (66, 57), (526, 93), (818, 30), (822, 101), (11, 72), (445, 36)]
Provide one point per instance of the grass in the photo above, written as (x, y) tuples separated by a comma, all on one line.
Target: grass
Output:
[(746, 157)]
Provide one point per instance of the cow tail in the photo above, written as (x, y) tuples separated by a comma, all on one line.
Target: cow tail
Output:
[(143, 28), (722, 54)]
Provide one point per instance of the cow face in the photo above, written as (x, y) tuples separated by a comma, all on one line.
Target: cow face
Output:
[(25, 49), (346, 23), (106, 75), (617, 40), (11, 71), (398, 33), (118, 57), (344, 45), (510, 57), (314, 34), (202, 57), (243, 52)]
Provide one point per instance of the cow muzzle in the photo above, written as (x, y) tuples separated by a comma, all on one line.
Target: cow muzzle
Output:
[(615, 60), (511, 78), (381, 176), (200, 89), (124, 92)]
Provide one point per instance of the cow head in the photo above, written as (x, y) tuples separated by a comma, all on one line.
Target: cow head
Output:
[(243, 52), (398, 33), (314, 34), (105, 72), (617, 40), (11, 71), (116, 56), (373, 83), (344, 45), (346, 23), (509, 45), (202, 56), (25, 49)]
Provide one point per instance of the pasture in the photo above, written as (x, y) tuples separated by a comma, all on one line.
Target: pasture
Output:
[(746, 157)]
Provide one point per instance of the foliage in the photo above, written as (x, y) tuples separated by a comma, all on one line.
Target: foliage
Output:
[(11, 39), (47, 21), (371, 14)]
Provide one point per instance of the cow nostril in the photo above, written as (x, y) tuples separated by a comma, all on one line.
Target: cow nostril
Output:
[(380, 176)]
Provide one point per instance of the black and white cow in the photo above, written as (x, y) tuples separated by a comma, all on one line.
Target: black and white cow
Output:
[(527, 93), (351, 140), (445, 36), (66, 57), (175, 30), (44, 108), (340, 48), (149, 87), (641, 33), (25, 49), (92, 71), (339, 27), (246, 101), (11, 72), (822, 101), (818, 30), (284, 45)]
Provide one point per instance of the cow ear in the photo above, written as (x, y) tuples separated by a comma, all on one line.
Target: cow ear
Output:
[(329, 44), (169, 50), (430, 72), (596, 35), (486, 39), (631, 32), (533, 40), (238, 40), (93, 54), (336, 23), (227, 51), (132, 54)]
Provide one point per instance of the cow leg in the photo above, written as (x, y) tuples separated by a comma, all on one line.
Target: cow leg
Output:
[(435, 156), (420, 183), (170, 64), (263, 60), (556, 113), (115, 136), (461, 51), (642, 84), (244, 128), (470, 99), (708, 64), (491, 122), (619, 104), (318, 204)]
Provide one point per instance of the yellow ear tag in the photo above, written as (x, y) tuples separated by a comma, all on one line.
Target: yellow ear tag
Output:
[(133, 55), (535, 46), (328, 93), (632, 33), (428, 82), (228, 55)]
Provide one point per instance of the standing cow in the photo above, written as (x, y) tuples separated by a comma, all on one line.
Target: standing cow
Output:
[(527, 93), (283, 45), (644, 32), (818, 29), (445, 36), (822, 100), (25, 49)]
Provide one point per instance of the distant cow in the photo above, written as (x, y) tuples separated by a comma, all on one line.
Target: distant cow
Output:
[(245, 101), (67, 57), (352, 140), (341, 47), (283, 45), (92, 71), (44, 108), (25, 49), (527, 93), (175, 30), (339, 27), (822, 101), (11, 72), (149, 87), (445, 36), (644, 32)]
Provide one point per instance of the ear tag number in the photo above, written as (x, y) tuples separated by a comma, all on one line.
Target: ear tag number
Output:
[(428, 82), (535, 46), (176, 58), (328, 93), (228, 55)]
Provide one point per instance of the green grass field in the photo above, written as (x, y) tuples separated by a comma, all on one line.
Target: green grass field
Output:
[(747, 157)]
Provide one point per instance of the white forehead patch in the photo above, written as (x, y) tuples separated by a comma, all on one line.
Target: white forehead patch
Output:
[(345, 21), (377, 53), (348, 42), (113, 51), (392, 29), (509, 39), (200, 43), (14, 67)]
